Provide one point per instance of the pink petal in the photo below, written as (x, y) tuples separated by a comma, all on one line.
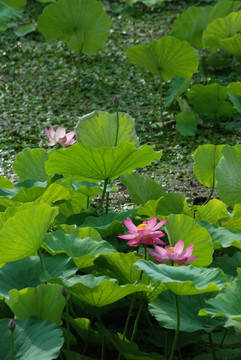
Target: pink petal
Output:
[(188, 250), (70, 136), (160, 224), (158, 241), (62, 140), (51, 143), (178, 248), (134, 242), (151, 223), (60, 132), (161, 251), (52, 133), (47, 132), (159, 258), (191, 258), (127, 237), (130, 226)]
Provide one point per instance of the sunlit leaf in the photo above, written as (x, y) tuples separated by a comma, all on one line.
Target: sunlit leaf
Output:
[(167, 56), (82, 24), (100, 164), (176, 88), (141, 188), (186, 123), (99, 129), (184, 280), (30, 164), (25, 29), (213, 212), (172, 203), (228, 175), (182, 227), (44, 301), (206, 159), (22, 234)]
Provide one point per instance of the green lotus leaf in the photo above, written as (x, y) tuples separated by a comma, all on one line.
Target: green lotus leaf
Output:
[(222, 237), (15, 4), (229, 265), (176, 88), (82, 251), (211, 100), (29, 337), (25, 29), (149, 209), (120, 266), (193, 21), (146, 2), (7, 14), (206, 158), (233, 219), (88, 189), (186, 123), (232, 45), (26, 272), (182, 227), (234, 93), (184, 280), (141, 188), (167, 56), (172, 203), (98, 291), (44, 301), (107, 224), (163, 309), (213, 212), (226, 304), (30, 164), (81, 233), (82, 24), (228, 175), (5, 183), (22, 234), (221, 31), (99, 128), (100, 164)]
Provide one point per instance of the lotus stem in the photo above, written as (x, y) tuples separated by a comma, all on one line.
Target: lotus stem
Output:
[(177, 328), (103, 195), (224, 336), (41, 260), (117, 124), (161, 102), (12, 326), (102, 340), (137, 321), (65, 294), (211, 345)]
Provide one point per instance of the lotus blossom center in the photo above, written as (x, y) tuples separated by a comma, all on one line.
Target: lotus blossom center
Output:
[(141, 227), (170, 249)]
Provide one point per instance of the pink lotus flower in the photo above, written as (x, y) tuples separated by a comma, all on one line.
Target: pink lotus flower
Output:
[(144, 233), (60, 137), (174, 254)]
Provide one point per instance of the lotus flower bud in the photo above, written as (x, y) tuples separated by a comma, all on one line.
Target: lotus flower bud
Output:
[(116, 101), (12, 325)]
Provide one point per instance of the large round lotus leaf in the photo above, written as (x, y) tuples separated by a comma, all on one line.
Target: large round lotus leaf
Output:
[(211, 100), (172, 203), (44, 301), (22, 234), (6, 14), (182, 227), (30, 164), (82, 24), (206, 159), (213, 212), (100, 164), (141, 188), (222, 237), (234, 93), (99, 128), (226, 304), (99, 291), (33, 339), (177, 87), (16, 4), (186, 123), (184, 280), (193, 21), (220, 29), (163, 309), (167, 56), (232, 45), (26, 272), (228, 175)]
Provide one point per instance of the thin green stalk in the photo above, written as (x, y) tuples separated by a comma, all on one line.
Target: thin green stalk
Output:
[(166, 344), (212, 189), (79, 65), (177, 328), (41, 260), (117, 125), (88, 202), (67, 323), (107, 200), (102, 357), (103, 195), (12, 345), (161, 104), (211, 345), (224, 336), (137, 321)]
